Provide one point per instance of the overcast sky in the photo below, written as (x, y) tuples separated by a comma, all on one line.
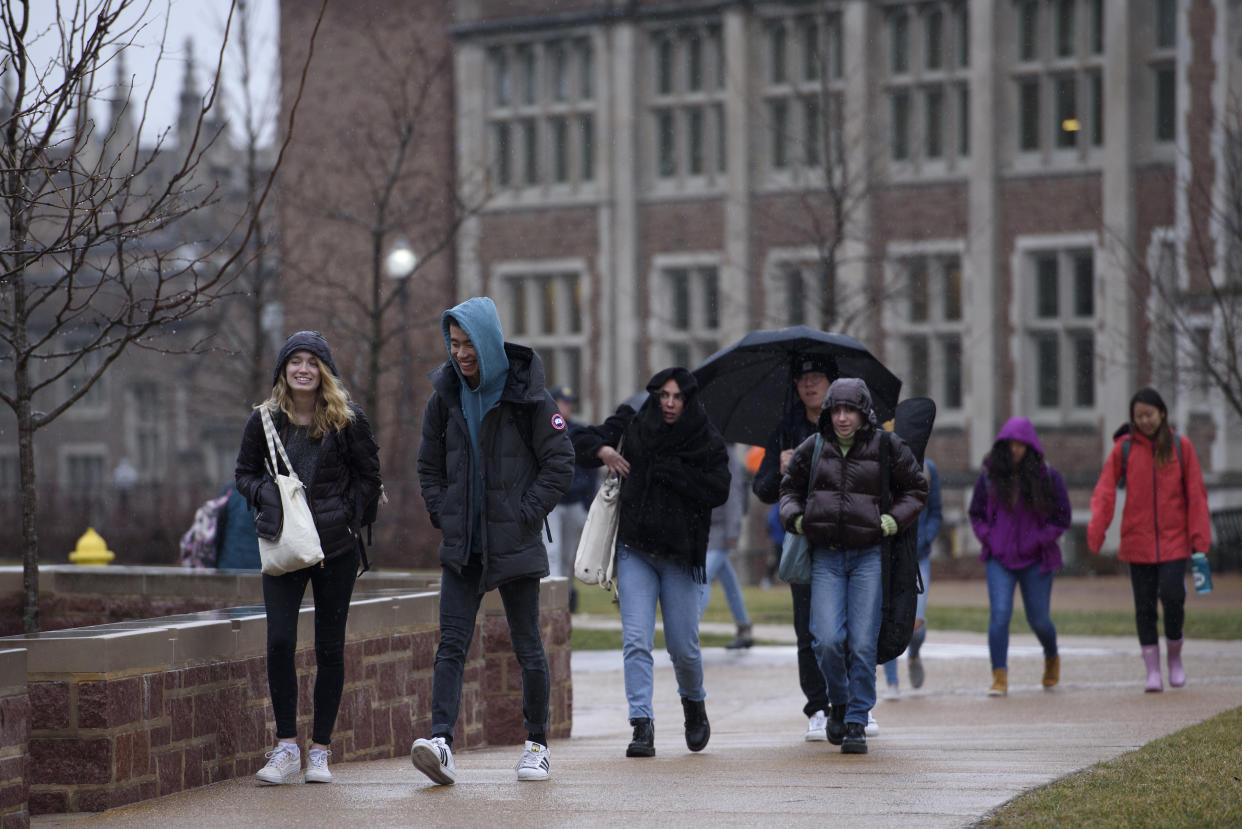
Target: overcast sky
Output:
[(202, 22)]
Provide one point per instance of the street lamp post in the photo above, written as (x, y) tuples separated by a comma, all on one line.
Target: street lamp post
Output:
[(400, 264)]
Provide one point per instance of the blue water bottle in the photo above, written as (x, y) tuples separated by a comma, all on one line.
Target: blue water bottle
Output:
[(1202, 573)]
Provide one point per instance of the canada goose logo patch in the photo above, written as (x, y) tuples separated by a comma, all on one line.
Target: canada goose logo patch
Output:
[(558, 422)]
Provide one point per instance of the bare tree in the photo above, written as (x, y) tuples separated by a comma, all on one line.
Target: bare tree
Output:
[(244, 323), (1191, 287), (100, 253), (835, 167), (405, 200)]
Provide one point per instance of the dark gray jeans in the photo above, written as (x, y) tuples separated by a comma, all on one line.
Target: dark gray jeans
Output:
[(459, 605)]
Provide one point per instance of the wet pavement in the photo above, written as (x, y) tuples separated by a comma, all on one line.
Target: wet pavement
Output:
[(946, 753)]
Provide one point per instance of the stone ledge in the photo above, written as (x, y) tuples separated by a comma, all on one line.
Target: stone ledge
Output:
[(241, 586), (12, 672)]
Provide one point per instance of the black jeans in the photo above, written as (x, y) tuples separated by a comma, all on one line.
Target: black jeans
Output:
[(459, 605), (1165, 580), (331, 585), (809, 675)]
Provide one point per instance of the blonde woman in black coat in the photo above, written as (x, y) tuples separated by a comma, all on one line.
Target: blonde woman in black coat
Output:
[(330, 444)]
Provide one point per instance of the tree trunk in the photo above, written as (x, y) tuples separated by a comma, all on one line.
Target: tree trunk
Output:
[(26, 460)]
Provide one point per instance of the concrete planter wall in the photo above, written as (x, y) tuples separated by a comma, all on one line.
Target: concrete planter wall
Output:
[(133, 710)]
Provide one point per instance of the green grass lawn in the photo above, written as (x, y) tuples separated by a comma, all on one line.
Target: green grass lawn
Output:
[(1188, 779), (773, 606)]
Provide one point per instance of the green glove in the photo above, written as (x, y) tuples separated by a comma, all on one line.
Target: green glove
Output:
[(798, 525), (888, 525)]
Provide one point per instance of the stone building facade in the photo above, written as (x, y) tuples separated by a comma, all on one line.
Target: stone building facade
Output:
[(983, 193)]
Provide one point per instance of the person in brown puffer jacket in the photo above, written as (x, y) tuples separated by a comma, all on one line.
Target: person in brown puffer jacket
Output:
[(842, 521)]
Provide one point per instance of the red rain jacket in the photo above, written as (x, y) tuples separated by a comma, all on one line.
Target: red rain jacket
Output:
[(1158, 523)]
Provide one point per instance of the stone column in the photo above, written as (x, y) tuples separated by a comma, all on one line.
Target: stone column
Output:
[(985, 334), (735, 319)]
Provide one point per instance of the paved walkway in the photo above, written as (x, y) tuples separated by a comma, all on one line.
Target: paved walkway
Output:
[(946, 754)]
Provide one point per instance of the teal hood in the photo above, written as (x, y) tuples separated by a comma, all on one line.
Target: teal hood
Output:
[(477, 316)]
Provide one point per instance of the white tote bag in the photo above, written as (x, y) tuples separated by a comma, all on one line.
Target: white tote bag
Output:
[(596, 559), (297, 546)]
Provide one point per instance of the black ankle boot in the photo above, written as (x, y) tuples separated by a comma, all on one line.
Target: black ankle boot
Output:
[(836, 724), (643, 744), (855, 739), (698, 730)]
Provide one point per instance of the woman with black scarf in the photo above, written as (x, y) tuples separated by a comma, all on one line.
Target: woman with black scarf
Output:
[(675, 470)]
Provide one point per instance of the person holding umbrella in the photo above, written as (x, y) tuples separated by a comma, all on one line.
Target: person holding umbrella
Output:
[(675, 470), (782, 375), (800, 422)]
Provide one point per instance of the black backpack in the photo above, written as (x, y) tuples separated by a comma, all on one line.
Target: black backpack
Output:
[(902, 583)]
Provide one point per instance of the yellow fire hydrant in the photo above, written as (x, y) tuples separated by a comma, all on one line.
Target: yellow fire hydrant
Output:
[(91, 549)]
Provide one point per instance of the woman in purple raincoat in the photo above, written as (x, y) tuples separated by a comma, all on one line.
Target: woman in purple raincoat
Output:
[(1019, 509)]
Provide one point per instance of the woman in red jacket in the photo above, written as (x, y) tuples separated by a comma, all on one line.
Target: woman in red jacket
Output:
[(1165, 520)]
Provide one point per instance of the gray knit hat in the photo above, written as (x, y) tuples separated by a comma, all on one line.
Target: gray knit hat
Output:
[(311, 341)]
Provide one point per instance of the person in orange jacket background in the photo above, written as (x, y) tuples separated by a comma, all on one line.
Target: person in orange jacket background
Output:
[(1165, 519)]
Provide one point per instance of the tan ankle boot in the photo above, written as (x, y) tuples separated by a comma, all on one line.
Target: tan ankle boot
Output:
[(1000, 683), (1052, 671)]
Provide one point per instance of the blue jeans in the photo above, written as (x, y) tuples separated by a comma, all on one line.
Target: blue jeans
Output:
[(459, 605), (719, 568), (920, 612), (642, 580), (1036, 598), (846, 604)]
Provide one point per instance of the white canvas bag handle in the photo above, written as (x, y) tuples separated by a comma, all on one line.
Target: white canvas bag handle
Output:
[(275, 447)]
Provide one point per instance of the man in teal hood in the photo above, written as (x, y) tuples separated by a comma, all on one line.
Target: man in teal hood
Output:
[(495, 458)]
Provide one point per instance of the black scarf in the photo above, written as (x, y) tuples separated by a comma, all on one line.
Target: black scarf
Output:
[(658, 450)]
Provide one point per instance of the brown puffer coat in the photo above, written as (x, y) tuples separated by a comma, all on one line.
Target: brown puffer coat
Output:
[(844, 509)]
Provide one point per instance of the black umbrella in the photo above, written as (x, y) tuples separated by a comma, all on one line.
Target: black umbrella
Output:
[(747, 386)]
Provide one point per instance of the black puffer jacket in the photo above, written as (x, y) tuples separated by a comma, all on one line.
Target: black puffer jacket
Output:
[(528, 463), (679, 472), (844, 508), (791, 431), (346, 477)]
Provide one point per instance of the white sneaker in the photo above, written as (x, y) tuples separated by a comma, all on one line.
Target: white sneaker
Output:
[(434, 758), (873, 727), (534, 763), (317, 766), (892, 693), (284, 764), (817, 728)]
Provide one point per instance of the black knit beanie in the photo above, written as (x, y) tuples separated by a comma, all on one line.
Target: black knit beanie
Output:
[(311, 341)]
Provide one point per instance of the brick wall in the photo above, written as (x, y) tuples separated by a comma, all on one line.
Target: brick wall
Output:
[(14, 739), (122, 715)]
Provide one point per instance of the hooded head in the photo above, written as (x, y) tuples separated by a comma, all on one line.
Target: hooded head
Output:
[(311, 341), (487, 366), (650, 412), (852, 392), (1020, 429)]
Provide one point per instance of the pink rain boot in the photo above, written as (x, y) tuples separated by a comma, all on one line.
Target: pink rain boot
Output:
[(1177, 674), (1151, 655)]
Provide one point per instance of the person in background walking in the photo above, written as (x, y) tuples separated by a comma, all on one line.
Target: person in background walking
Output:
[(495, 458), (329, 442), (842, 521), (929, 527), (1018, 510), (675, 470), (811, 382), (726, 527), (237, 545), (567, 520), (1165, 519)]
